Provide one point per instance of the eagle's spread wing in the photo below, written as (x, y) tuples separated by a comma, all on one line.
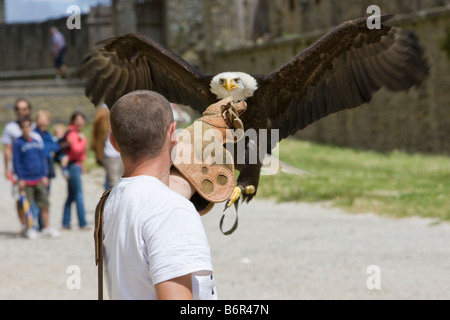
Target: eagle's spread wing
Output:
[(342, 70), (132, 62)]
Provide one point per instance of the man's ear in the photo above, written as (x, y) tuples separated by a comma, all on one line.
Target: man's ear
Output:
[(172, 132), (113, 142)]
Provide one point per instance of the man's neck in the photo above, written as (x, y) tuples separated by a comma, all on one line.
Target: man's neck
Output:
[(158, 167)]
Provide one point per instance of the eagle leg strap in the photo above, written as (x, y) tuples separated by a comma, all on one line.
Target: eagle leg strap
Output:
[(235, 225), (234, 199)]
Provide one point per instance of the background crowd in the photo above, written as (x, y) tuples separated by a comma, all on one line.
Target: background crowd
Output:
[(33, 147)]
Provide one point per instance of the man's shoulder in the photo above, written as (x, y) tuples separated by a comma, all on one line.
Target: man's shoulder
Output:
[(12, 132), (151, 186), (12, 124), (151, 190), (11, 128)]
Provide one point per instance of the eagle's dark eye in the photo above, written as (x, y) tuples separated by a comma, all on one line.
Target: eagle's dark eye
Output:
[(237, 80), (222, 81)]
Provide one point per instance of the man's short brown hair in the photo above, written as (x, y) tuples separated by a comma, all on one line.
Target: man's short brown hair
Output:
[(139, 123)]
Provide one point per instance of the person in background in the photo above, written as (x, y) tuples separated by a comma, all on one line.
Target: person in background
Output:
[(76, 152), (59, 134), (12, 131), (31, 167), (43, 119), (58, 50), (105, 154)]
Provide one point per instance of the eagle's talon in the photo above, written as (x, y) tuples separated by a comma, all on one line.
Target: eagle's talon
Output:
[(247, 194), (235, 195)]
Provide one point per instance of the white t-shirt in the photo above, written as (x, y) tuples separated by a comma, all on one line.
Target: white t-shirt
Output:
[(12, 131), (152, 234)]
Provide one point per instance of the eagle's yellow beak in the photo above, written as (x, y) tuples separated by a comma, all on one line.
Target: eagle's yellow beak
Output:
[(230, 85)]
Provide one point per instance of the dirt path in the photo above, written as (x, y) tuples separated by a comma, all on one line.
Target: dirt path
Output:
[(279, 251)]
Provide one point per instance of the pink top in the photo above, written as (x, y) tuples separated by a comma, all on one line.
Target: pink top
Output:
[(77, 149)]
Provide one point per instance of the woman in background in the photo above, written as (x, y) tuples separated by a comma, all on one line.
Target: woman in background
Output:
[(76, 152)]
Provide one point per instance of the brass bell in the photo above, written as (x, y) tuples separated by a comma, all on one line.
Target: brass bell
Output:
[(250, 189)]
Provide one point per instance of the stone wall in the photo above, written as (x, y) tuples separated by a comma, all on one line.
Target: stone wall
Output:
[(416, 121), (307, 15), (28, 46), (184, 27), (60, 98)]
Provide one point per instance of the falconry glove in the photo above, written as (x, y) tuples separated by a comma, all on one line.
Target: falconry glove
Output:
[(201, 157)]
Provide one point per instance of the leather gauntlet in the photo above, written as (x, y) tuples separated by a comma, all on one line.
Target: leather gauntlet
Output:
[(201, 157)]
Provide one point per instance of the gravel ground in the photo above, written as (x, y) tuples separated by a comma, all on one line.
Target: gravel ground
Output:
[(279, 251)]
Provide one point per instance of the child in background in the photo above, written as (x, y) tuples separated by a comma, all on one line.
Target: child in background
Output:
[(43, 118), (30, 165), (59, 132)]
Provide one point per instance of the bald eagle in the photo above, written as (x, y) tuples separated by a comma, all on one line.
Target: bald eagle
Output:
[(342, 70)]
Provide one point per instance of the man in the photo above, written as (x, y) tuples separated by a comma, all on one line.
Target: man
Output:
[(58, 50), (12, 131), (155, 246)]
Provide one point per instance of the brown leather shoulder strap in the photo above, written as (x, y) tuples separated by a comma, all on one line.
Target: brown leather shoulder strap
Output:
[(98, 239)]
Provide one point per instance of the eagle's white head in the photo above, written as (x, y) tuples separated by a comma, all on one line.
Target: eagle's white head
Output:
[(238, 85)]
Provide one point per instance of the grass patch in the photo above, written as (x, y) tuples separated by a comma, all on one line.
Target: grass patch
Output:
[(396, 183)]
